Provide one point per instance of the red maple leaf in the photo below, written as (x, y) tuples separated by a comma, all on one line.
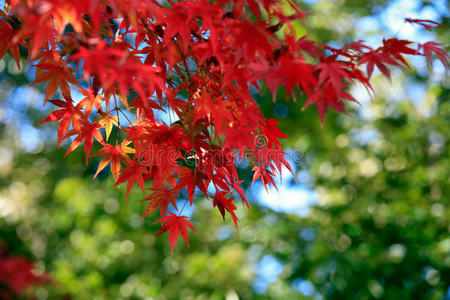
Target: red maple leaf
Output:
[(389, 54), (57, 75), (133, 173), (68, 114), (160, 197), (328, 96), (335, 72), (6, 42), (265, 174), (296, 73), (241, 193), (374, 58), (86, 135), (272, 133), (223, 203), (394, 48), (175, 225), (433, 47), (191, 179), (203, 60), (427, 24)]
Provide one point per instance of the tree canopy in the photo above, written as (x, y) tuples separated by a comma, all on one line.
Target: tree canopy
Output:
[(379, 228)]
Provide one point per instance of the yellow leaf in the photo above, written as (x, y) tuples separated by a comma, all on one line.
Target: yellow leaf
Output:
[(107, 121)]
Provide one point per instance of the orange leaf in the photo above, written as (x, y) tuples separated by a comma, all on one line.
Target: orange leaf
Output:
[(113, 155)]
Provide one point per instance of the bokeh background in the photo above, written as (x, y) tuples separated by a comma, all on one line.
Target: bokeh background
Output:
[(367, 217)]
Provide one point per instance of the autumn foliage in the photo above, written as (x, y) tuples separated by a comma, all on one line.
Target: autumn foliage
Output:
[(17, 274), (199, 61)]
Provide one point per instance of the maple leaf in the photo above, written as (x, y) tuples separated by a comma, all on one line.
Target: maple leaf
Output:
[(212, 109), (113, 155), (296, 72), (160, 197), (334, 71), (119, 70), (358, 75), (394, 48), (133, 173), (272, 133), (328, 96), (191, 179), (265, 175), (253, 38), (274, 158), (175, 225), (307, 46), (57, 76), (241, 193), (373, 58), (223, 204), (427, 24), (433, 47), (91, 100), (107, 121), (389, 54), (357, 46), (175, 23), (37, 29), (6, 42), (86, 135), (68, 114)]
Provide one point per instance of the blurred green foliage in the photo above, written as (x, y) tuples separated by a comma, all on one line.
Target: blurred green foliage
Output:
[(380, 228)]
